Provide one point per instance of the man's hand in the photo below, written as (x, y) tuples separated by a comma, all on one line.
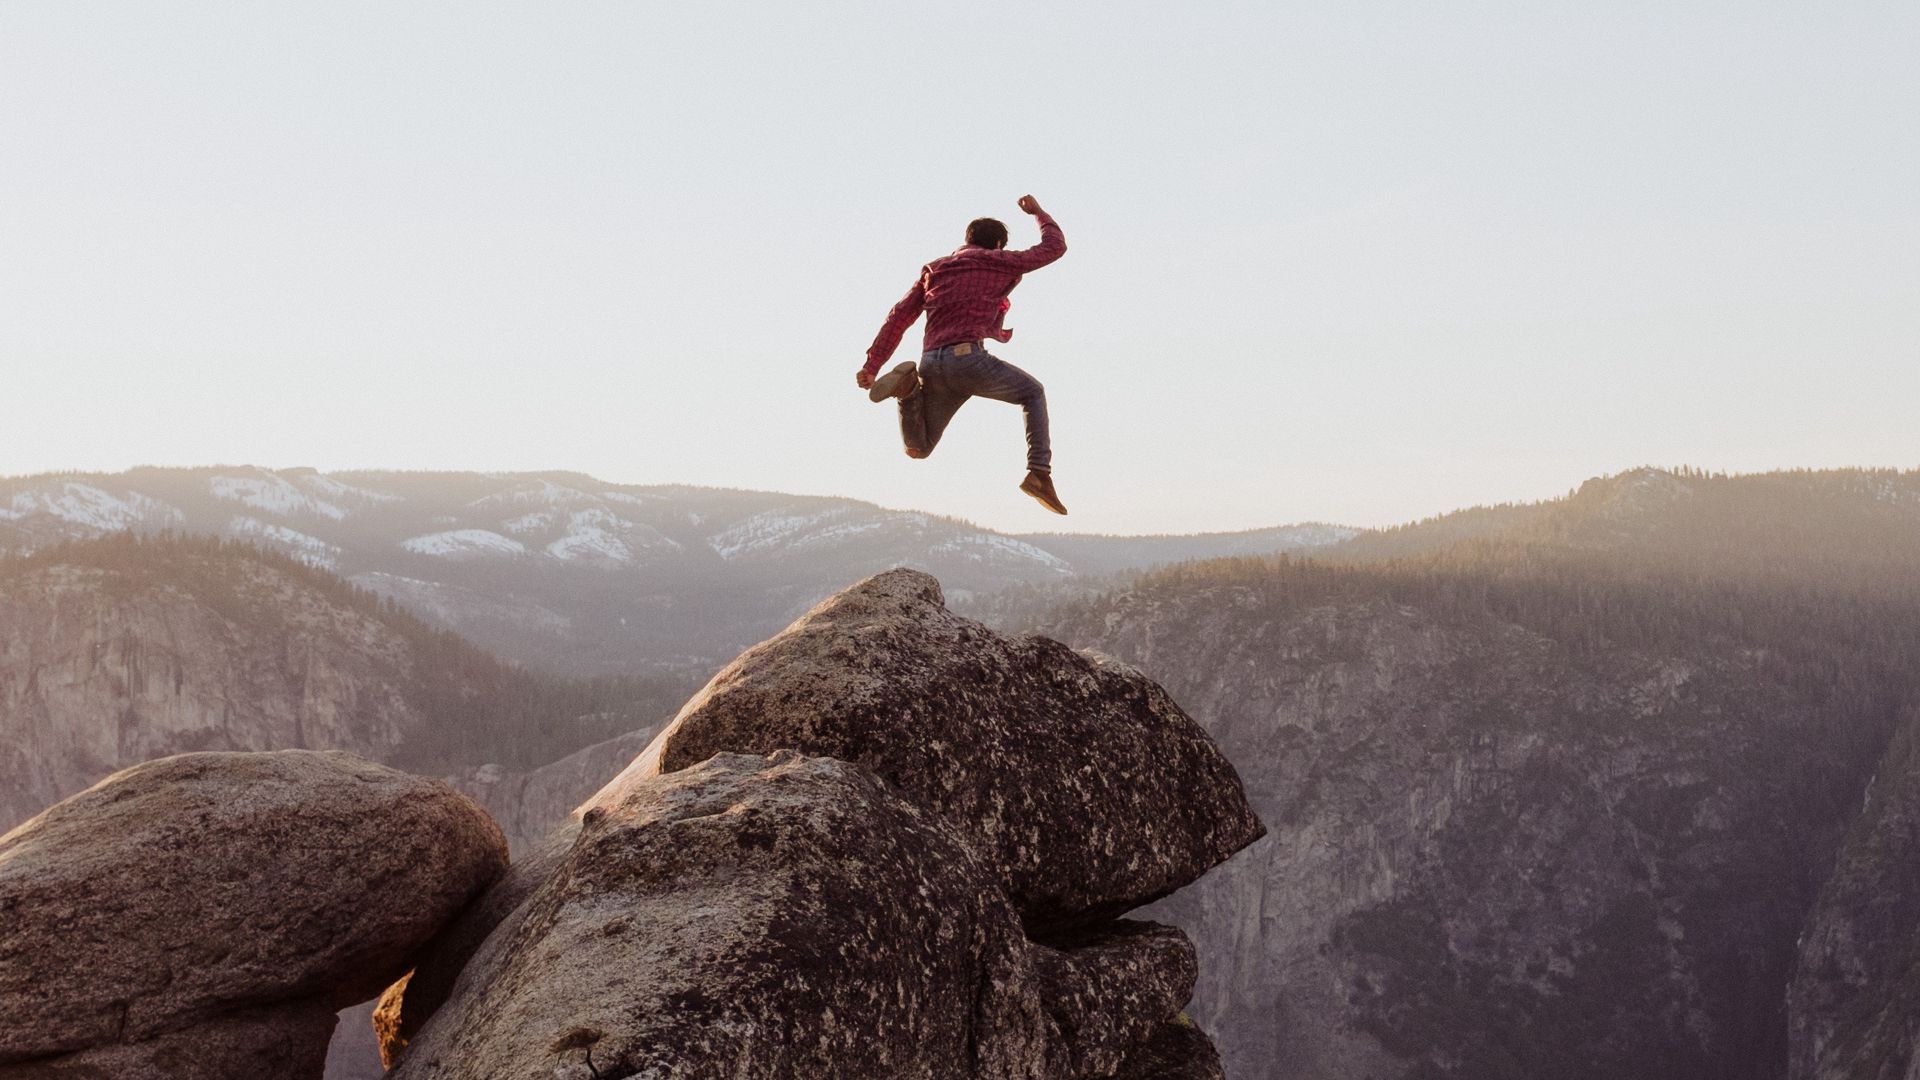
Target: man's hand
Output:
[(864, 378), (1030, 204)]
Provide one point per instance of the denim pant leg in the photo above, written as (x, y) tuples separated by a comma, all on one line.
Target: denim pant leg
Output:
[(924, 414), (988, 376)]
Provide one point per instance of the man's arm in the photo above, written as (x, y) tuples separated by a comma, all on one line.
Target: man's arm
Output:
[(1053, 242), (901, 317)]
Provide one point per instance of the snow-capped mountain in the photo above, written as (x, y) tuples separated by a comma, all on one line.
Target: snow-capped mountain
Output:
[(569, 572)]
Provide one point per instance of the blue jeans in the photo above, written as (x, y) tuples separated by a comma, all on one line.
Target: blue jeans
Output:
[(947, 381)]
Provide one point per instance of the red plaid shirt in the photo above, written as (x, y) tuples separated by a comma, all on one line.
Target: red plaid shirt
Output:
[(965, 294)]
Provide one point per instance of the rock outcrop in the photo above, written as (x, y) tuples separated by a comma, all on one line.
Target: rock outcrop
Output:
[(926, 887), (886, 843), (205, 900), (1085, 785), (788, 916)]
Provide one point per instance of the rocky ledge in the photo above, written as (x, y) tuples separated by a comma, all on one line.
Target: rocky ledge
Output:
[(886, 843)]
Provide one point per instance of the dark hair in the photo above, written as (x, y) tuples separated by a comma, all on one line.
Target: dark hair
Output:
[(987, 233)]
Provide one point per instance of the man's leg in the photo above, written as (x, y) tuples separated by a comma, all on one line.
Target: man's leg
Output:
[(925, 413), (991, 377)]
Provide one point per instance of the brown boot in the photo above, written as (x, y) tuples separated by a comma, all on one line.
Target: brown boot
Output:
[(1040, 486), (898, 383)]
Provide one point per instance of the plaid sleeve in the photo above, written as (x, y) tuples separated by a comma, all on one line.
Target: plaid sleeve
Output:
[(1052, 245), (901, 317)]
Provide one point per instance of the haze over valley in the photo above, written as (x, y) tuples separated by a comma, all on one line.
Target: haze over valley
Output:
[(1614, 785)]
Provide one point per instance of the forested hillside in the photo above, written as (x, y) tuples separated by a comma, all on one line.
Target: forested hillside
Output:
[(117, 650), (1558, 796)]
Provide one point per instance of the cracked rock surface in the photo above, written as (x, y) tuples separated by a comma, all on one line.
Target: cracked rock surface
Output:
[(1177, 1050), (193, 891), (1085, 786), (409, 1003), (789, 916)]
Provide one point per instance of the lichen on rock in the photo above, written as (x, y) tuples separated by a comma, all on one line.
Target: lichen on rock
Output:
[(1083, 783), (786, 915)]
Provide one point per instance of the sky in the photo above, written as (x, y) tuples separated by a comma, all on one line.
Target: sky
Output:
[(1347, 262)]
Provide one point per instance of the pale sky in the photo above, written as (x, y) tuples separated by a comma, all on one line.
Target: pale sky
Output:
[(1339, 261)]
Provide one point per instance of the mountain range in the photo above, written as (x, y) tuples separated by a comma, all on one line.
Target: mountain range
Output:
[(575, 575), (1615, 785)]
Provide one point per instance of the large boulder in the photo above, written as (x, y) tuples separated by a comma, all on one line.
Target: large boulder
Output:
[(787, 916), (180, 891), (285, 1042), (1083, 783)]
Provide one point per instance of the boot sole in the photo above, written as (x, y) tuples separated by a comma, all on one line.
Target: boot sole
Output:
[(888, 385)]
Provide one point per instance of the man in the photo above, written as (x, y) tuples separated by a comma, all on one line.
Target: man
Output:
[(965, 298)]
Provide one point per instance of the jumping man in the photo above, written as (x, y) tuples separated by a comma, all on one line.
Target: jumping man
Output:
[(965, 297)]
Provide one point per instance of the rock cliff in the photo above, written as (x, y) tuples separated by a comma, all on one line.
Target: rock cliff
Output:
[(122, 650), (1565, 823), (1854, 1007), (103, 668)]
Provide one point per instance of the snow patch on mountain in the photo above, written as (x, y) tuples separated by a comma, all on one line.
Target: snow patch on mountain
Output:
[(273, 494), (1312, 536), (833, 534), (783, 530), (334, 489), (308, 549), (590, 543), (987, 547), (464, 542), (90, 507), (538, 521), (766, 530), (538, 492), (603, 535)]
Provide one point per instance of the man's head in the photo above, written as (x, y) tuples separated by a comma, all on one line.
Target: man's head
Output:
[(987, 232)]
